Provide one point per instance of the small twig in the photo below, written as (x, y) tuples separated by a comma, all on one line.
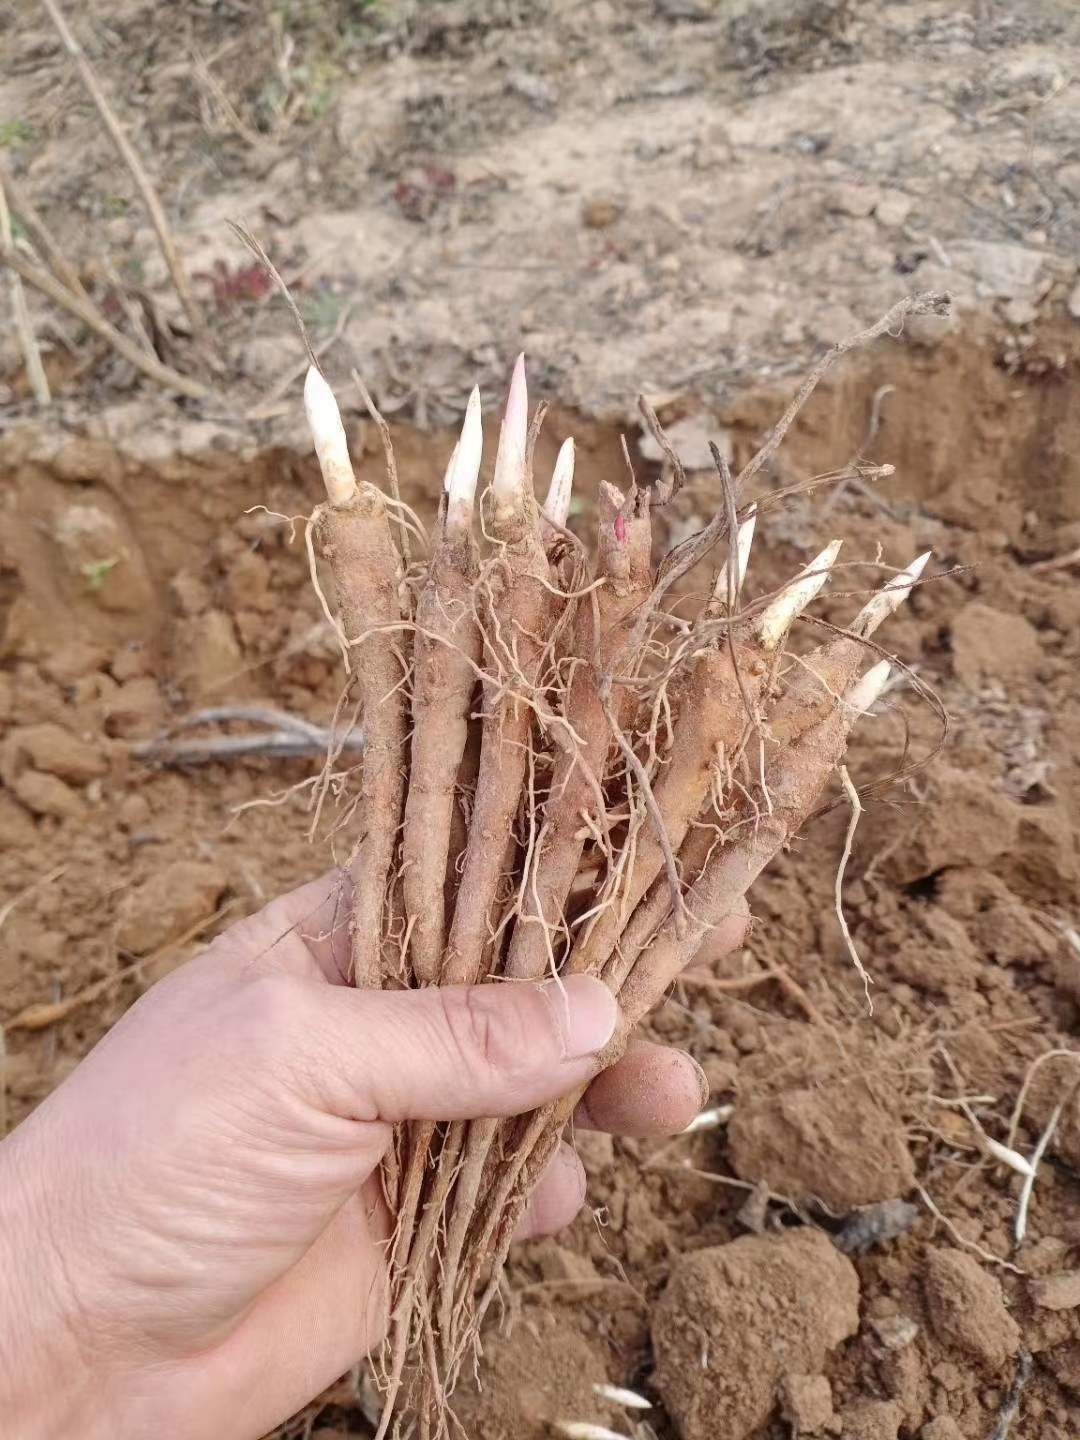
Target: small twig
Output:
[(44, 1014), (242, 233), (135, 318), (1011, 1408), (214, 93), (39, 234), (40, 883), (892, 322), (1028, 1187), (252, 715), (868, 439), (671, 866), (1059, 562), (24, 329), (628, 463), (130, 156), (731, 984), (268, 406), (856, 812), (391, 463), (729, 1180), (86, 311), (972, 1245), (286, 737), (656, 430), (275, 745), (1036, 1064)]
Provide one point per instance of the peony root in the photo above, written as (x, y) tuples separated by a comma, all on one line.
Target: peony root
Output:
[(355, 533), (446, 659), (561, 774)]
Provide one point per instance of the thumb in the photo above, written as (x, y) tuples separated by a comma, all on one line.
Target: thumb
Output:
[(457, 1052)]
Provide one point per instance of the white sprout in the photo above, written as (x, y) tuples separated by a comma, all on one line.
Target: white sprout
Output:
[(866, 691), (328, 433), (889, 599), (1012, 1158), (710, 1119), (585, 1430), (744, 538), (449, 472), (464, 469), (1028, 1186), (777, 618), (508, 484), (629, 1399), (557, 504)]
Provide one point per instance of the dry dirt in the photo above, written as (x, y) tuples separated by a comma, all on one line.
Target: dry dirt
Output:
[(686, 197)]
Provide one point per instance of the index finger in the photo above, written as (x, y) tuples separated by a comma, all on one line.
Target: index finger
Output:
[(305, 932)]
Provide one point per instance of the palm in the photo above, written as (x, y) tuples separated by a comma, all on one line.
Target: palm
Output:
[(209, 1174)]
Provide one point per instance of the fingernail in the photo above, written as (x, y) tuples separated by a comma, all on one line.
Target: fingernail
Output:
[(586, 1013), (703, 1082)]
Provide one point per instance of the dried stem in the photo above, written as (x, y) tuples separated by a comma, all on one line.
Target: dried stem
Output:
[(242, 233), (46, 1013), (282, 737), (1058, 562), (391, 463), (838, 891), (731, 984), (129, 155), (35, 885), (86, 311), (671, 865), (1011, 1408), (20, 314), (891, 323), (39, 234)]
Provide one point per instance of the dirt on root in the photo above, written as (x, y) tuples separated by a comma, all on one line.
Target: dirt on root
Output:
[(135, 595)]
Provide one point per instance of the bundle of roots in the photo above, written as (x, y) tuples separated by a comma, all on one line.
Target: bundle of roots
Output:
[(562, 772)]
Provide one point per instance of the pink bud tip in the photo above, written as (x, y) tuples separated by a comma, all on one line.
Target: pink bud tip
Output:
[(509, 479)]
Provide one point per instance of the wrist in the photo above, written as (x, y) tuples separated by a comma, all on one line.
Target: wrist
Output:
[(47, 1389)]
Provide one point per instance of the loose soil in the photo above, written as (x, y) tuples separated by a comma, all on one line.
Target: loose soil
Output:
[(152, 564)]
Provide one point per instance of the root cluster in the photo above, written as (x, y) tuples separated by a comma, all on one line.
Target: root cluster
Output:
[(561, 774)]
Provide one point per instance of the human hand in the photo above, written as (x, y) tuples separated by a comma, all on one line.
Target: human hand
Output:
[(192, 1234)]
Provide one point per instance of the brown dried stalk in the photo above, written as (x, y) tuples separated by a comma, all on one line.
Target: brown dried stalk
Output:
[(279, 736), (891, 323), (85, 310), (39, 234), (20, 314), (130, 156)]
